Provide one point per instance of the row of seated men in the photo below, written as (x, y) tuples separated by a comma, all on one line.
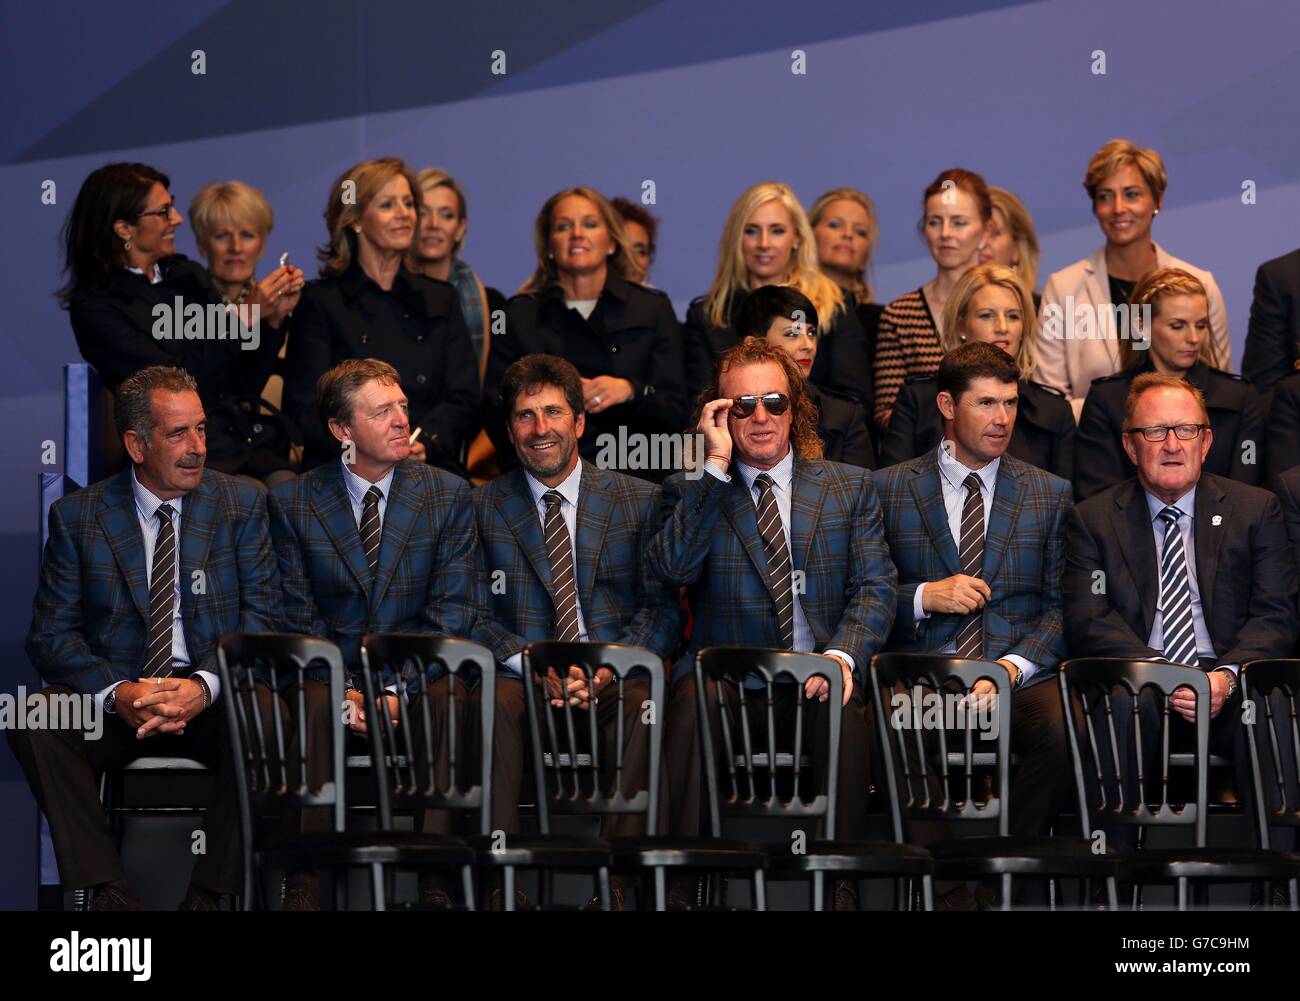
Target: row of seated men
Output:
[(965, 550)]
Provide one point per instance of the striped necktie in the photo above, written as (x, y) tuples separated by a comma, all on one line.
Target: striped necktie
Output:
[(371, 529), (1176, 594), (772, 533), (970, 638), (564, 589), (162, 598)]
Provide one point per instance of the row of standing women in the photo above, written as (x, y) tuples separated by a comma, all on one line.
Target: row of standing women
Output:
[(393, 286)]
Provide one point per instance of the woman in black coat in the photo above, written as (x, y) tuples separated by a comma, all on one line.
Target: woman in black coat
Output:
[(786, 318), (622, 337), (990, 303), (1180, 342), (134, 302), (366, 304)]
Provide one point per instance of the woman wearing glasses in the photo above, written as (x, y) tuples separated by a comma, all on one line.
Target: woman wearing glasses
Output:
[(1181, 343), (131, 300)]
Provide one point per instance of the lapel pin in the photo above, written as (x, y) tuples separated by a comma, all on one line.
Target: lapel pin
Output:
[(1217, 520)]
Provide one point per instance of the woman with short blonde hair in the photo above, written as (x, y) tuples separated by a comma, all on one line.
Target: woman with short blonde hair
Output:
[(767, 240)]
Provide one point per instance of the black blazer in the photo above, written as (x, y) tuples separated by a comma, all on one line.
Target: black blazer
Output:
[(114, 331), (842, 365), (418, 328), (1273, 337), (1245, 571), (632, 334), (1283, 449), (1043, 435), (842, 427), (1236, 416)]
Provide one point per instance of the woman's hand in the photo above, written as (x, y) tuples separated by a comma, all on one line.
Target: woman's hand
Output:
[(605, 391), (278, 293)]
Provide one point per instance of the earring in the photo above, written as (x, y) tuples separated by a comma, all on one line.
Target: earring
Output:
[(357, 230), (1156, 212), (794, 247), (126, 245)]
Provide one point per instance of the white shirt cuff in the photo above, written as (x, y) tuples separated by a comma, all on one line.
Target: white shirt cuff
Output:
[(214, 684), (843, 656), (717, 474), (918, 610), (1027, 668), (515, 663)]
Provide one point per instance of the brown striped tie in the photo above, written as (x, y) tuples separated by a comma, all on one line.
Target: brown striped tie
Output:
[(778, 557), (970, 638), (564, 590), (162, 598), (371, 529)]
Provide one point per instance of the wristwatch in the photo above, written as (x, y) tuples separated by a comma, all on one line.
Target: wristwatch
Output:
[(1232, 682), (110, 702)]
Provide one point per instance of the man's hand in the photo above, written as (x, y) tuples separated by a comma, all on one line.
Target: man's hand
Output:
[(984, 691), (959, 594), (166, 704), (819, 688), (574, 687), (1183, 699), (605, 391), (717, 436), (358, 724)]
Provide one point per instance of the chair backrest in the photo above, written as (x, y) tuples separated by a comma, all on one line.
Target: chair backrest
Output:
[(271, 754), (567, 771), (92, 449), (1273, 686), (404, 757), (967, 735), (1098, 683), (750, 785)]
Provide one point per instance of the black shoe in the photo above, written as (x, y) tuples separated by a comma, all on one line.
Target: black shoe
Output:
[(197, 898), (681, 893), (616, 897), (300, 898), (958, 898), (1278, 899), (497, 900), (435, 892), (845, 897), (115, 896)]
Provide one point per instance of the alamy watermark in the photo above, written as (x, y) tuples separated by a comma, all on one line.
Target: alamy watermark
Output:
[(179, 321), (1088, 321), (51, 711), (636, 452), (922, 709)]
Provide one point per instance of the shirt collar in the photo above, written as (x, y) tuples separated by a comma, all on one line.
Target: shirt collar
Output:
[(1186, 503), (568, 488), (358, 485), (155, 276), (955, 472), (147, 501), (782, 473)]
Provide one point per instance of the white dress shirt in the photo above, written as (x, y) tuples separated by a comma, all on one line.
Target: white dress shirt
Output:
[(358, 486), (568, 490), (952, 481)]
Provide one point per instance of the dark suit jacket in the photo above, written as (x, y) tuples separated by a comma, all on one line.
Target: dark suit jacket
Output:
[(114, 330), (631, 334), (1024, 553), (709, 543), (418, 328), (1286, 486), (1273, 337), (1245, 570), (842, 427), (1283, 448), (842, 363), (620, 602), (1236, 415), (1043, 435), (90, 619), (426, 581)]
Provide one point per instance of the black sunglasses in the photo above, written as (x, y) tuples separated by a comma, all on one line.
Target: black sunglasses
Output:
[(774, 403)]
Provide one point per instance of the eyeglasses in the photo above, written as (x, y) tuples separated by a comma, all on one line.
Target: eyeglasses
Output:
[(774, 403), (166, 211), (1159, 432)]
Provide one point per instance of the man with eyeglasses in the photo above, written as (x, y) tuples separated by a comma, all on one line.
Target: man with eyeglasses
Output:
[(1179, 565), (777, 548)]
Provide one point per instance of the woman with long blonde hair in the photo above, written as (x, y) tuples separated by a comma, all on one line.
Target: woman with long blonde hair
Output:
[(767, 240), (1174, 335), (991, 304)]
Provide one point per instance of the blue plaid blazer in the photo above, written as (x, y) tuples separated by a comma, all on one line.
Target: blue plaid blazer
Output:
[(709, 543), (425, 582), (90, 619), (1024, 557), (620, 602)]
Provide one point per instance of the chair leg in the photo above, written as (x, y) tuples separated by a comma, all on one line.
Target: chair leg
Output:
[(340, 889), (661, 889), (1293, 886), (1006, 891), (377, 887), (508, 887), (1112, 894), (819, 891), (760, 891), (927, 893), (467, 886), (602, 888), (1182, 893)]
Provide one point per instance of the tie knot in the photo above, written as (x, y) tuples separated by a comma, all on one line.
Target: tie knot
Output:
[(374, 495), (763, 482), (553, 499), (973, 483), (1170, 515)]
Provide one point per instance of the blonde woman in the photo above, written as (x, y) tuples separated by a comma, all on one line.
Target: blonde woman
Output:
[(579, 305), (1012, 240), (1179, 343), (1126, 185), (991, 304), (767, 240), (367, 304)]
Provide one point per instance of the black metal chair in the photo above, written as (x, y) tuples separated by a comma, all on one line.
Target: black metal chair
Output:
[(271, 744), (576, 783), (756, 781), (958, 774), (1094, 681)]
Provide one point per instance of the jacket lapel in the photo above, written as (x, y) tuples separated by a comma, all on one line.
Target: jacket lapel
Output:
[(333, 507), (404, 501), (1008, 494), (743, 515), (594, 507), (1132, 522), (805, 509), (1209, 536), (1097, 284), (198, 523), (121, 524), (928, 495), (516, 506)]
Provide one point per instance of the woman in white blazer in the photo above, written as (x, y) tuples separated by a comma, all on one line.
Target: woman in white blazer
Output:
[(1080, 332)]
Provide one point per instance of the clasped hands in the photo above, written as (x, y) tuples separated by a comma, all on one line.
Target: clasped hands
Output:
[(575, 687), (152, 706)]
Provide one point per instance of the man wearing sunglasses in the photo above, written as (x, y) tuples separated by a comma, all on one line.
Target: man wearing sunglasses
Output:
[(1197, 570), (778, 548)]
